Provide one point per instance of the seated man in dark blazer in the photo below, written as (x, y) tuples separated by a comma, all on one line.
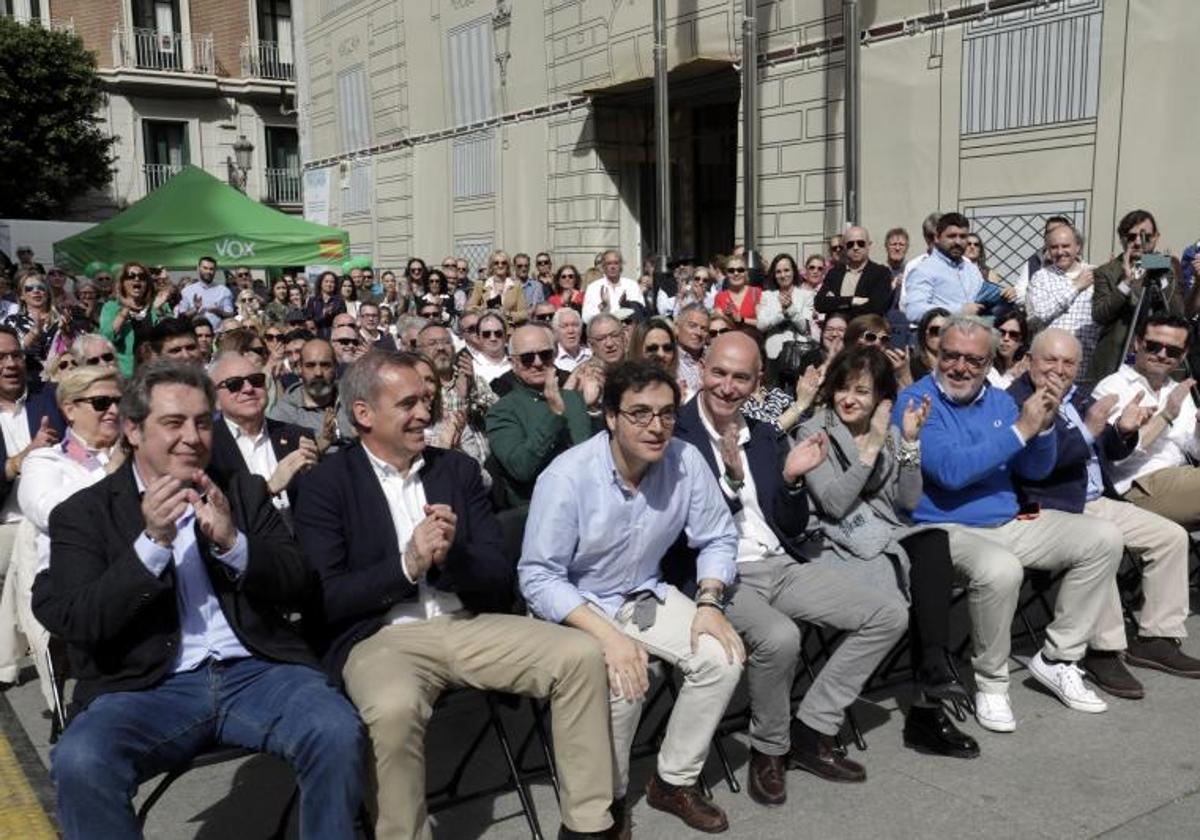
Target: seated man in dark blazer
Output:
[(245, 440), (170, 591), (856, 286), (411, 559), (763, 485), (1090, 435)]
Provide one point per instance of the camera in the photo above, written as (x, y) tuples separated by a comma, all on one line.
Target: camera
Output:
[(1155, 261)]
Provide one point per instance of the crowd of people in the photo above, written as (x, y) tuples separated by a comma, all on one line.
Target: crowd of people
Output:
[(199, 479)]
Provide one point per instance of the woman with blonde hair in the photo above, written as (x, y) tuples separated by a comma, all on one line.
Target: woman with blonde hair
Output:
[(500, 291)]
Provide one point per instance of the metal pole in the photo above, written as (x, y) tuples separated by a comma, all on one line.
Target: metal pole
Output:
[(749, 132), (662, 146), (851, 42)]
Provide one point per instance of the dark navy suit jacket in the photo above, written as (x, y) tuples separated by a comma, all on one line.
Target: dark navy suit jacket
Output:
[(40, 401), (346, 531), (227, 458), (1066, 486)]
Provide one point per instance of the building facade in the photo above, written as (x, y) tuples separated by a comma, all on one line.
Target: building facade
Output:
[(452, 126), (185, 80)]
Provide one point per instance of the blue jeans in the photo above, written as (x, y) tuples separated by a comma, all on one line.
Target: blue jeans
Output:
[(126, 737)]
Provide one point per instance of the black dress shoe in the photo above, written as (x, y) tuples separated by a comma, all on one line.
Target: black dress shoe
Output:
[(622, 820), (767, 778), (929, 729), (815, 752)]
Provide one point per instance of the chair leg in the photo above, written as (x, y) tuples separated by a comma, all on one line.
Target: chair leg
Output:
[(730, 779), (535, 830), (539, 723)]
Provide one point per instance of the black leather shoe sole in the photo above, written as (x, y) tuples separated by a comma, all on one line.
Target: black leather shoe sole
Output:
[(923, 744)]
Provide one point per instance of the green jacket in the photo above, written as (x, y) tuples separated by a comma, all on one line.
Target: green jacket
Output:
[(524, 436), (123, 340)]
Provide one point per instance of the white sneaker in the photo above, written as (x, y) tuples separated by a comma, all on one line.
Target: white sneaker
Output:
[(994, 712), (1066, 681)]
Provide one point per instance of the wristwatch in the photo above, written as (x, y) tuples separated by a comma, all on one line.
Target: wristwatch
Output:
[(735, 484)]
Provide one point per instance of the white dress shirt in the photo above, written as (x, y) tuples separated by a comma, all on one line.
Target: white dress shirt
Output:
[(1170, 448), (565, 361), (15, 427), (593, 297), (50, 476), (756, 540), (406, 501), (486, 368), (259, 455)]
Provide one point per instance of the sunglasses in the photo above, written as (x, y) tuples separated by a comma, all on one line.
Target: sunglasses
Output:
[(933, 329), (98, 404), (135, 275), (814, 267), (568, 276), (668, 347), (543, 262), (737, 270), (857, 243), (718, 332), (106, 358), (544, 318), (491, 333), (1015, 335), (35, 288), (272, 336), (500, 262), (527, 359), (1173, 351), (233, 384), (348, 342), (875, 338), (66, 363), (243, 274), (473, 329), (835, 247)]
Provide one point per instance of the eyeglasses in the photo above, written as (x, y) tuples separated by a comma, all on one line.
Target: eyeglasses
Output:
[(719, 331), (527, 359), (835, 247), (500, 262), (471, 329), (1015, 335), (99, 404), (857, 243), (933, 329), (491, 333), (65, 363), (1173, 351), (875, 338), (544, 317), (643, 416), (953, 357), (615, 335), (243, 274), (134, 275), (415, 268), (106, 357), (272, 336), (736, 270), (33, 287), (348, 342), (543, 262), (568, 276), (522, 265), (233, 384), (449, 265), (654, 349)]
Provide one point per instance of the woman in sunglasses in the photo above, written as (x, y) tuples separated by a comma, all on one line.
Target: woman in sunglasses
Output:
[(1011, 358), (653, 340), (738, 301), (88, 398), (566, 288), (929, 339), (43, 329), (875, 331), (129, 318)]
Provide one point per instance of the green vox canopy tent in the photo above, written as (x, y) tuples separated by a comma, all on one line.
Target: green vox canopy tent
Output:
[(195, 215)]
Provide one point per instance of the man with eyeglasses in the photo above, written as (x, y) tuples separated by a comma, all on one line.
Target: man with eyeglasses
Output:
[(1158, 475), (603, 515), (544, 266), (974, 446), (205, 297), (1082, 482), (837, 251), (944, 278), (536, 420), (369, 329), (612, 291), (1119, 285), (856, 286), (461, 390), (489, 352), (247, 441), (531, 287), (606, 338), (347, 344)]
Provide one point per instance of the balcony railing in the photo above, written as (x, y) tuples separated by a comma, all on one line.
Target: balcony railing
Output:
[(267, 60), (149, 49), (158, 174), (283, 186), (56, 24)]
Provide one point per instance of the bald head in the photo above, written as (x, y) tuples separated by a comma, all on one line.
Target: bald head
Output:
[(736, 346), (858, 245), (730, 374), (1054, 357)]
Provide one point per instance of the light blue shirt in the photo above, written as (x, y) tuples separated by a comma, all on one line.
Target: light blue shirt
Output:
[(589, 538), (1095, 478), (939, 281), (533, 291), (205, 633), (211, 294)]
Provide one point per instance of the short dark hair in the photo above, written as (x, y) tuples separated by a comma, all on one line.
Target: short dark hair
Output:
[(634, 376), (896, 231), (853, 361), (169, 328), (1132, 219), (951, 220), (209, 259), (297, 335), (202, 321), (1164, 320), (135, 401), (360, 381), (5, 329)]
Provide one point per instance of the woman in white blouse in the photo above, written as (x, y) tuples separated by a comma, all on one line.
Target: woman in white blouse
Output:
[(88, 397), (785, 311)]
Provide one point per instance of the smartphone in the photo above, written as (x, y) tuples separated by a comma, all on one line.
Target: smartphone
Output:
[(902, 334)]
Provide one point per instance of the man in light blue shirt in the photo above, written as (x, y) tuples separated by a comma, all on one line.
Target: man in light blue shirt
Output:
[(205, 297), (944, 278), (603, 515)]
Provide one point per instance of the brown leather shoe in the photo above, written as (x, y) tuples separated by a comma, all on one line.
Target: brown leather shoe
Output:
[(819, 757), (1162, 654), (1110, 675), (768, 784), (688, 804)]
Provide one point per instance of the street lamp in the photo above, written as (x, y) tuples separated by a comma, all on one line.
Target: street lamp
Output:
[(501, 37), (239, 164)]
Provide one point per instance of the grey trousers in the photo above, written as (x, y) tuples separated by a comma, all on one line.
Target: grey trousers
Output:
[(992, 561), (765, 604)]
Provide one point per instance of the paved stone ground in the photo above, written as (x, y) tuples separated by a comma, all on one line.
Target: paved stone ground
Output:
[(1133, 772)]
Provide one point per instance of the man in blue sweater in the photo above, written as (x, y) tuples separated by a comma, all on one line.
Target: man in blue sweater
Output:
[(1081, 482), (976, 440)]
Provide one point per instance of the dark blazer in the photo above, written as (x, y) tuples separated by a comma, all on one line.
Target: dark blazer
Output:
[(40, 401), (875, 284), (1113, 310), (1066, 487), (121, 623), (227, 458), (345, 528), (785, 511)]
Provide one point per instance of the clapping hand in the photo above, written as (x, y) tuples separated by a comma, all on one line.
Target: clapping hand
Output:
[(805, 457), (1134, 415), (915, 416), (212, 512)]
